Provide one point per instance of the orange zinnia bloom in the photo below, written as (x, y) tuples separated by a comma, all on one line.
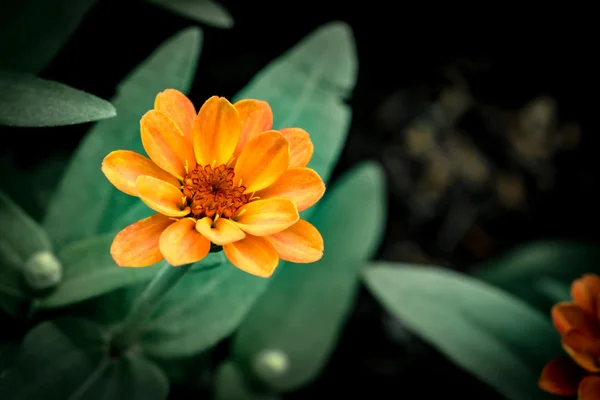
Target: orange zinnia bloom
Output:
[(221, 177), (578, 323)]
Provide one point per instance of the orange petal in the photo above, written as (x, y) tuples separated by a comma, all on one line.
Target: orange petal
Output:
[(122, 168), (300, 243), (181, 244), (256, 117), (222, 231), (254, 255), (263, 160), (181, 110), (301, 147), (161, 196), (561, 377), (137, 244), (216, 132), (267, 217), (301, 185), (589, 388), (585, 292), (567, 316), (583, 349), (166, 144)]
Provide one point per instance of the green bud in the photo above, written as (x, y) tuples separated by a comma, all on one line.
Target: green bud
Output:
[(42, 270), (271, 363)]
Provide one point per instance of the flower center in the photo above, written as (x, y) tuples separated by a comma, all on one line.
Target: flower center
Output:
[(210, 191)]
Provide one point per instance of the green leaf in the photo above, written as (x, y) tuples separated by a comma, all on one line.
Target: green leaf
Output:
[(231, 385), (520, 270), (41, 180), (130, 378), (91, 271), (562, 260), (84, 191), (496, 337), (305, 88), (208, 12), (32, 32), (68, 359), (20, 239), (554, 290), (304, 335), (27, 101), (113, 307)]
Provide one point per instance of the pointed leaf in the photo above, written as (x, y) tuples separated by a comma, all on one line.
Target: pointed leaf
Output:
[(522, 268), (307, 336), (494, 336), (55, 358), (554, 290), (68, 359), (20, 239), (129, 378), (91, 271), (32, 32), (230, 384), (41, 182), (84, 190), (27, 101), (305, 87), (208, 12)]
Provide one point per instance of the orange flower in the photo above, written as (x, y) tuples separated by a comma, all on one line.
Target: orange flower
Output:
[(578, 323), (221, 177)]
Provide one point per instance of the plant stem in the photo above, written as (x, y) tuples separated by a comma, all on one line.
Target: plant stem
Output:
[(146, 303)]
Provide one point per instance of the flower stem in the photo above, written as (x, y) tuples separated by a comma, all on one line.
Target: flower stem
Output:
[(146, 303)]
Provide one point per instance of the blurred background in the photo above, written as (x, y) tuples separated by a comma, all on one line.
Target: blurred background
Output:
[(484, 124)]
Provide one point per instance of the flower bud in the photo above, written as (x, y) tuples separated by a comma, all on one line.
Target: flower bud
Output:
[(42, 270), (271, 363)]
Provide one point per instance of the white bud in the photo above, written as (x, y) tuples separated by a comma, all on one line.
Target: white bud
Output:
[(42, 270)]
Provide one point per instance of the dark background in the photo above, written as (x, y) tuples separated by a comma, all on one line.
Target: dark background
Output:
[(527, 85)]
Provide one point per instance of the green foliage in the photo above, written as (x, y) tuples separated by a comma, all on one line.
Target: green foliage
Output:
[(230, 384), (27, 101), (496, 337), (41, 181), (304, 88), (307, 87), (208, 12), (91, 271), (87, 267), (554, 290), (84, 191), (32, 32), (69, 359), (21, 238), (303, 310), (527, 270)]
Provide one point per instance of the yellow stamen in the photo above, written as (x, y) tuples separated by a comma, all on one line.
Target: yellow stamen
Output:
[(212, 164), (241, 212), (187, 167)]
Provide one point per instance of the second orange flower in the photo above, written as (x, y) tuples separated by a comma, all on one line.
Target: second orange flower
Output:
[(220, 176)]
